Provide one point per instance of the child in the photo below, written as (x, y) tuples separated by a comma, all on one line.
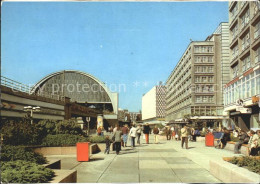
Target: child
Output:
[(176, 137), (108, 142)]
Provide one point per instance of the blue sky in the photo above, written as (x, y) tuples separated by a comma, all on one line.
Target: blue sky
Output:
[(136, 44)]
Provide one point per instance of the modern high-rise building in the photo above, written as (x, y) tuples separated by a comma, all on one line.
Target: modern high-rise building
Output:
[(194, 87), (153, 105), (243, 91)]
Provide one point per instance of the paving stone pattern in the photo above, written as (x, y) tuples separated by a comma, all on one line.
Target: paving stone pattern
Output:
[(157, 163)]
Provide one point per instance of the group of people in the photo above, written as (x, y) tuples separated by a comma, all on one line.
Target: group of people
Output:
[(120, 137), (251, 138)]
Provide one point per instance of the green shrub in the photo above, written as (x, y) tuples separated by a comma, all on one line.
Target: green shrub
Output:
[(12, 153), (62, 140), (24, 172), (20, 132), (251, 163), (97, 139), (59, 127)]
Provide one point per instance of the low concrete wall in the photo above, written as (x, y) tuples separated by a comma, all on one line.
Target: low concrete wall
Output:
[(71, 150), (65, 176), (230, 173)]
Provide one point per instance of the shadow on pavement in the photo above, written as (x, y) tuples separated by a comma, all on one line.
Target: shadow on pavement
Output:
[(122, 153), (95, 159), (191, 147)]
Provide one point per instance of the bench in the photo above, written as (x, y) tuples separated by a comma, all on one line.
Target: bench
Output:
[(231, 147)]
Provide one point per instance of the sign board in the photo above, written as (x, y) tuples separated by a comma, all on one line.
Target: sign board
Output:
[(239, 102)]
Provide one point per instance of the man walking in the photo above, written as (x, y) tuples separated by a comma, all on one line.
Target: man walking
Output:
[(125, 131), (184, 136), (146, 132), (156, 134)]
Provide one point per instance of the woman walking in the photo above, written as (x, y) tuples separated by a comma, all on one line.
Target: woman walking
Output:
[(132, 134), (138, 133)]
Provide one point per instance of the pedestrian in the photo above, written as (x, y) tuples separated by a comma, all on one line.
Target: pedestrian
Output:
[(184, 136), (108, 143), (138, 133), (168, 133), (132, 134), (156, 134), (252, 141), (117, 137), (255, 147), (172, 132), (196, 133), (146, 132), (242, 136), (125, 131), (99, 131), (192, 132), (225, 138)]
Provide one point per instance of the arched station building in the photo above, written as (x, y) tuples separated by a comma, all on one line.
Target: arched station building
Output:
[(83, 89)]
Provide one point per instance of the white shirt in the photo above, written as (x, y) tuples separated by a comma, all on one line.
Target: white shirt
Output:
[(132, 132)]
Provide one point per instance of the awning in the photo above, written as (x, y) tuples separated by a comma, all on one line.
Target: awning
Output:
[(177, 122), (234, 113), (209, 117)]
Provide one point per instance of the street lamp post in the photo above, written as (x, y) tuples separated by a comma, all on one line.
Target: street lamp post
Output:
[(31, 110), (88, 120)]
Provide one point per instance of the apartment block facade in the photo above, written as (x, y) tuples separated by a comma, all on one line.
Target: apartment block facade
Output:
[(244, 86), (154, 104), (194, 87)]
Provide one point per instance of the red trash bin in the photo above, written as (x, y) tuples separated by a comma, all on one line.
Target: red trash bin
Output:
[(83, 151), (209, 139)]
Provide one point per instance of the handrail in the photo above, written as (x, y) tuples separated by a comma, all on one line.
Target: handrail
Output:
[(18, 86)]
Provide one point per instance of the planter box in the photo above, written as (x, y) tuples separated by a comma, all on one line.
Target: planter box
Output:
[(65, 176), (71, 150), (230, 173), (227, 159)]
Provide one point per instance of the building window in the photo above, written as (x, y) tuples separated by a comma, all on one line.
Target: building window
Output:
[(245, 42), (197, 69), (234, 32), (197, 90), (198, 99), (257, 30), (256, 7), (197, 49), (257, 55), (210, 78), (210, 98), (235, 52), (210, 69), (210, 88), (204, 79), (197, 79), (204, 69), (245, 19), (235, 71), (204, 99), (234, 12), (210, 59)]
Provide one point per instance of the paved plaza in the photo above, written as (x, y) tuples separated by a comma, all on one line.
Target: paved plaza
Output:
[(165, 162)]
